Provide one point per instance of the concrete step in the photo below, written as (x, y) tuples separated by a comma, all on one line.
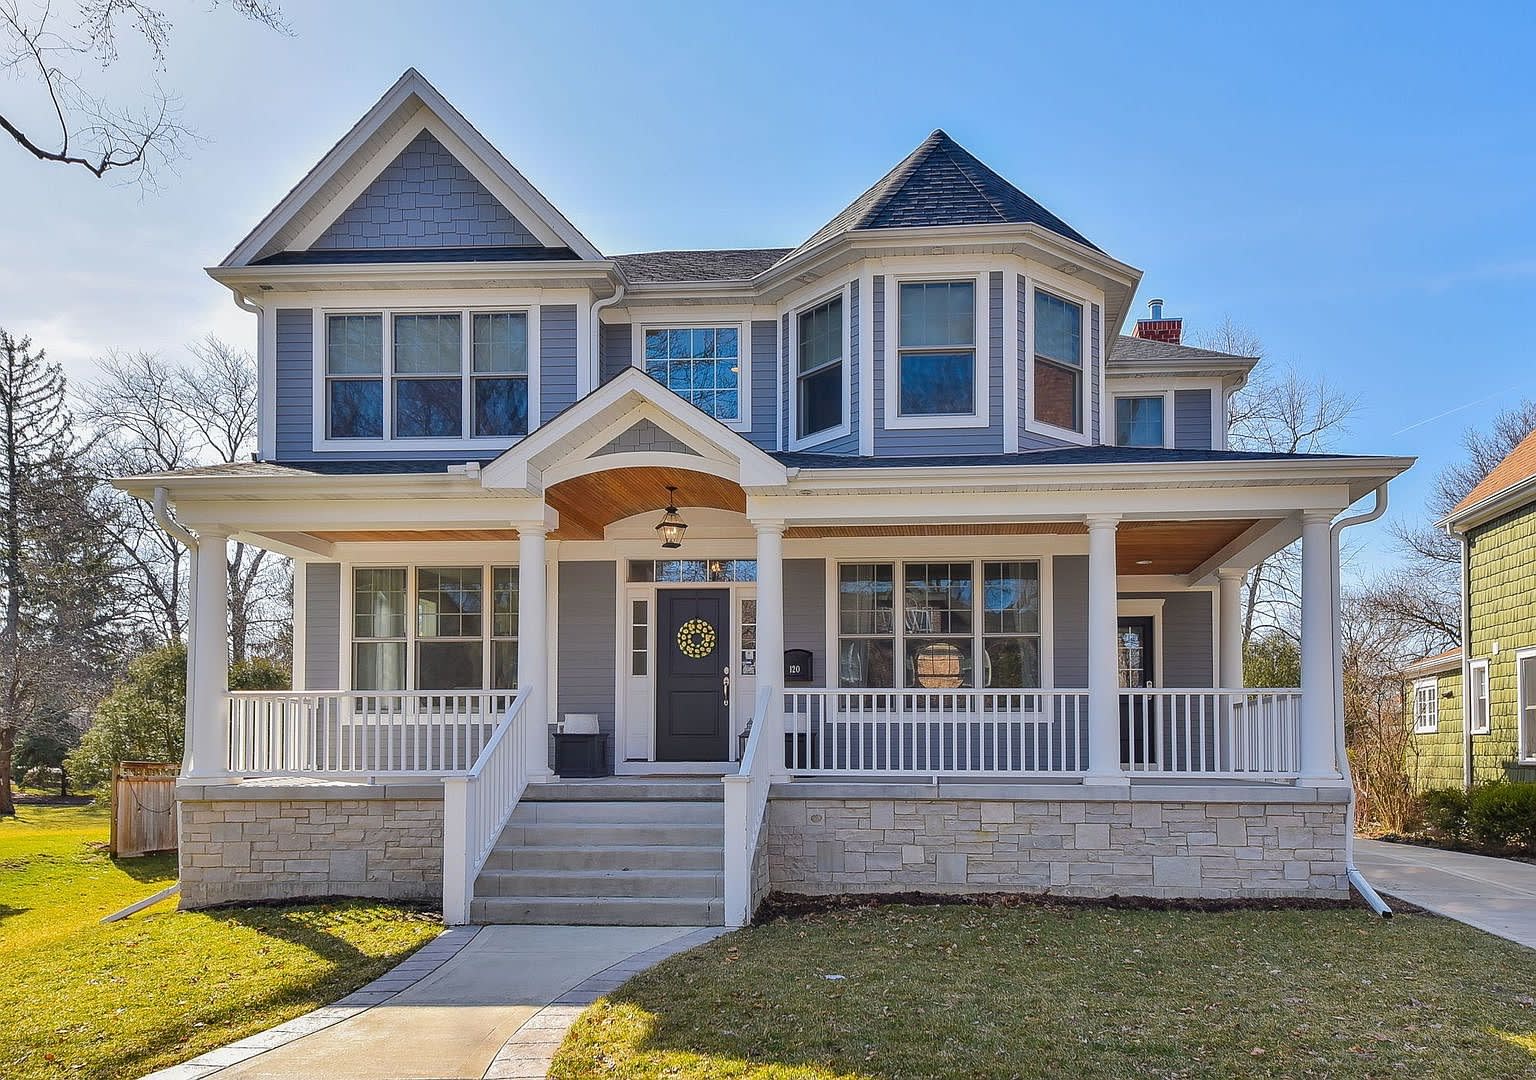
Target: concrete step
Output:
[(595, 834), (597, 911), (639, 789), (631, 857), (619, 813), (656, 884)]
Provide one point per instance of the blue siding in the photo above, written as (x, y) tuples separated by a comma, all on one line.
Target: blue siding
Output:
[(424, 199), (322, 626), (615, 349), (1069, 606), (586, 653), (1189, 647), (1192, 419), (295, 382), (1029, 440), (1096, 374), (784, 381), (805, 613), (849, 444), (764, 398), (557, 359)]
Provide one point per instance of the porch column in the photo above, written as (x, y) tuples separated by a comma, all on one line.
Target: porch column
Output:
[(533, 644), (207, 745), (1229, 603), (1103, 650), (770, 631), (1317, 618)]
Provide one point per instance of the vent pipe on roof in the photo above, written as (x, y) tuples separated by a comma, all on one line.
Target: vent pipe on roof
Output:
[(1156, 305)]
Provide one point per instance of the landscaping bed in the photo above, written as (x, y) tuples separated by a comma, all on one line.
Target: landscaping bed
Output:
[(1040, 990), (84, 999)]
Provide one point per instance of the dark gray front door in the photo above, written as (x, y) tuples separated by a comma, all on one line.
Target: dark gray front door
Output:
[(693, 645), (1138, 717)]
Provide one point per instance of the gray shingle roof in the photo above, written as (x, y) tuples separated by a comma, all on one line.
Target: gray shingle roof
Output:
[(1135, 348), (329, 256), (942, 183), (734, 264)]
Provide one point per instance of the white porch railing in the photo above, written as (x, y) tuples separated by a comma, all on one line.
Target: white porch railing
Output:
[(282, 732), (936, 732), (476, 808), (746, 801), (1211, 733)]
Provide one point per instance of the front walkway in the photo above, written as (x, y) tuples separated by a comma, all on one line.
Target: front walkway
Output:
[(492, 1002), (1496, 895)]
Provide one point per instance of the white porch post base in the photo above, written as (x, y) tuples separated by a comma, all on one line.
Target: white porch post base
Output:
[(1103, 652), (533, 644), (1230, 618), (207, 744), (770, 632), (1317, 675)]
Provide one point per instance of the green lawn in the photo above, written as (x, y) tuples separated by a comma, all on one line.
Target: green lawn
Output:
[(1073, 992), (81, 999)]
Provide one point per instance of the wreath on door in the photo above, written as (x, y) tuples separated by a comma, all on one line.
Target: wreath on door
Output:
[(696, 639)]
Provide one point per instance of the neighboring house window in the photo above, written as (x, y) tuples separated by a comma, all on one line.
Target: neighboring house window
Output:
[(701, 365), (1477, 699), (1058, 365), (936, 357), (1426, 706), (449, 645), (354, 376), (1525, 700), (819, 369), (1139, 421), (378, 629), (939, 623), (438, 383)]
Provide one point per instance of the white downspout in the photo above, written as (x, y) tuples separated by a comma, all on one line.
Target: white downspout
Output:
[(1356, 878), (597, 333), (188, 540), (1468, 766)]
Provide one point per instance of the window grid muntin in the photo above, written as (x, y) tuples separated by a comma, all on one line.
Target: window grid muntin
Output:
[(354, 359), (819, 333), (639, 636), (748, 647), (1426, 706), (916, 341), (1066, 362), (1005, 625), (1477, 699), (709, 375)]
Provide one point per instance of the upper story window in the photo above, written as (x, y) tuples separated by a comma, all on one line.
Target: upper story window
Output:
[(1058, 389), (1426, 706), (819, 369), (936, 357), (1139, 421), (701, 364), (439, 383)]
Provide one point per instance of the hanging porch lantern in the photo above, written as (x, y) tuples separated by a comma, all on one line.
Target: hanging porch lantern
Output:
[(671, 526)]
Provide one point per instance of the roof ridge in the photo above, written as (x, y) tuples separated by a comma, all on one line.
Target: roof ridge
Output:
[(964, 171), (913, 161)]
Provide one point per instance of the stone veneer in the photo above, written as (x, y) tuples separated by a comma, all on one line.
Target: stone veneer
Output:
[(1228, 842), (276, 841)]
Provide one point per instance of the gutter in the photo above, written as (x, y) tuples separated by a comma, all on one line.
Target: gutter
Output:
[(596, 337), (1351, 871), (1466, 657)]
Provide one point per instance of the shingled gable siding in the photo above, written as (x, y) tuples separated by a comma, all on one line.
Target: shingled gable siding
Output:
[(1435, 759), (909, 441), (295, 382), (586, 650), (615, 349), (322, 626), (1192, 420), (557, 359), (424, 199), (764, 399)]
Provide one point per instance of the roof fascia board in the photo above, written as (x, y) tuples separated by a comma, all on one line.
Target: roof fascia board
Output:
[(301, 485), (1492, 506)]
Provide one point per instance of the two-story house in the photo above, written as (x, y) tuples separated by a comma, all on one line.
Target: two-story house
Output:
[(1473, 711), (881, 562)]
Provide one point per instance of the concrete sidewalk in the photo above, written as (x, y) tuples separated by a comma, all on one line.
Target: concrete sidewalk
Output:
[(456, 1010), (1496, 895)]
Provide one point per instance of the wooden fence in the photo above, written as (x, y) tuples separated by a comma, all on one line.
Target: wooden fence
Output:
[(143, 808)]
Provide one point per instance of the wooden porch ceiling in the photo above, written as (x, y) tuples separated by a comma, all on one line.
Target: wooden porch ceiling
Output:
[(588, 504)]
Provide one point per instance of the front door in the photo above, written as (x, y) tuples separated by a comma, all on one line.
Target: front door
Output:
[(693, 674), (1138, 740)]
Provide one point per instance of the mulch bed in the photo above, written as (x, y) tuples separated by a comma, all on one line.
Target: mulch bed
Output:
[(1520, 855)]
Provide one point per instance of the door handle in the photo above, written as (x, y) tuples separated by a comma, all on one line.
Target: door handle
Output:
[(725, 685)]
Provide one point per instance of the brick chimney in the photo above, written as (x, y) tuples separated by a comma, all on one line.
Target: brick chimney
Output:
[(1158, 328)]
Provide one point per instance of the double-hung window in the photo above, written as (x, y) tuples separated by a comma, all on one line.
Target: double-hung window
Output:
[(866, 624), (378, 629), (419, 375), (450, 616), (1426, 706), (819, 369), (702, 365), (1477, 698), (1139, 421), (1011, 624), (1058, 362), (936, 351), (937, 603)]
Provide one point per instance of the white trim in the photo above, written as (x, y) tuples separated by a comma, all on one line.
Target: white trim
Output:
[(981, 352), (1470, 698), (1151, 608), (298, 668), (1110, 430), (1432, 725), (1034, 282), (792, 371), (698, 320), (1525, 751)]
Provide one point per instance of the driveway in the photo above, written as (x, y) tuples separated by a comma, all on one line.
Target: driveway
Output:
[(1496, 895)]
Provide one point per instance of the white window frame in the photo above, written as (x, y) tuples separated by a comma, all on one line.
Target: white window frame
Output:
[(1169, 434), (792, 387), (322, 439), (1426, 690), (743, 328), (1032, 285), (1524, 747), (981, 349), (1477, 698)]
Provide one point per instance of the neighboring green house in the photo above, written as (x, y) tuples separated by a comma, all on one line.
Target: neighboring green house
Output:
[(1497, 526)]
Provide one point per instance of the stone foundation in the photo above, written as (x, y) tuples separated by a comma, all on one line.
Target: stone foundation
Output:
[(1238, 842), (252, 842)]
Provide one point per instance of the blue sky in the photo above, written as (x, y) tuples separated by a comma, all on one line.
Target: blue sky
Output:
[(1353, 183)]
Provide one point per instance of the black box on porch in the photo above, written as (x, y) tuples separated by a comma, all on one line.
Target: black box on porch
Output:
[(581, 751)]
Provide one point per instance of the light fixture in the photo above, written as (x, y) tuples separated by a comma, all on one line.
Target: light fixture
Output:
[(1143, 562), (671, 527)]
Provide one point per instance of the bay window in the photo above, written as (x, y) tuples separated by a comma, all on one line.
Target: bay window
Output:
[(819, 369), (936, 349), (700, 364), (1139, 421), (1058, 362), (426, 628)]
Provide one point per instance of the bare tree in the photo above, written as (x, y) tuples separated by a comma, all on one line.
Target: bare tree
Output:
[(78, 125), (1280, 411), (1374, 649), (151, 416)]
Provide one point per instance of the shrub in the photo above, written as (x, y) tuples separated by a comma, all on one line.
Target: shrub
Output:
[(1445, 809), (1500, 815)]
